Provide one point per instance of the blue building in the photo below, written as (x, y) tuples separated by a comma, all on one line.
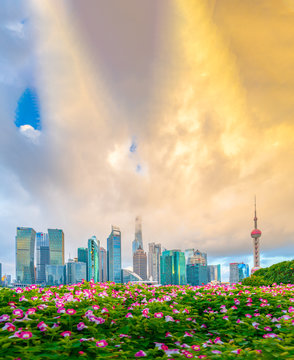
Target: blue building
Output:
[(173, 267), (238, 271), (42, 257), (114, 255), (25, 254), (83, 257), (214, 272), (103, 265), (93, 259), (196, 274)]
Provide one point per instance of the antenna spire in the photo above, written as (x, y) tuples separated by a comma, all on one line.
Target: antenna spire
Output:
[(255, 217)]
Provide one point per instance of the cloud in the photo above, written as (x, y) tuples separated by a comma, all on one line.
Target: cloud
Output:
[(29, 132)]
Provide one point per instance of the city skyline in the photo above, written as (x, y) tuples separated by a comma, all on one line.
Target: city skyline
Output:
[(175, 111)]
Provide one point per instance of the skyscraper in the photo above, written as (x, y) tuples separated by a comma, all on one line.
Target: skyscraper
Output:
[(93, 259), (140, 263), (25, 251), (238, 271), (103, 265), (154, 253), (138, 242), (56, 246), (75, 271), (114, 255), (255, 234), (43, 256), (83, 257), (55, 274), (173, 267), (213, 273), (196, 274)]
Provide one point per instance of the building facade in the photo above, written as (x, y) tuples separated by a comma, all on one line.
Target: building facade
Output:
[(56, 246), (238, 271), (114, 255), (140, 263), (154, 253), (55, 274), (103, 265), (196, 274), (75, 272), (25, 254), (83, 257), (173, 267), (93, 259), (214, 273), (42, 257)]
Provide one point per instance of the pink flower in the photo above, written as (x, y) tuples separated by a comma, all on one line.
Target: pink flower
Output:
[(158, 315), (4, 317), (238, 351), (25, 335), (101, 343), (267, 328), (248, 315), (168, 318), (96, 307), (195, 347), (18, 313), (168, 334), (66, 333), (70, 311), (31, 311), (164, 347), (140, 353), (188, 354), (202, 356), (81, 326), (104, 310), (9, 327), (129, 315), (216, 351)]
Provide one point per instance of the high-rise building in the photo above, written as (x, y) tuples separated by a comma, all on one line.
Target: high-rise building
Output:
[(140, 263), (213, 273), (128, 275), (56, 246), (75, 271), (103, 265), (138, 242), (55, 274), (114, 255), (154, 253), (93, 259), (42, 256), (173, 267), (25, 251), (83, 257), (255, 234), (238, 271), (196, 274)]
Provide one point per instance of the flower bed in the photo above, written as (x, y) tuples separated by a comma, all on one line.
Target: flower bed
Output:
[(115, 321)]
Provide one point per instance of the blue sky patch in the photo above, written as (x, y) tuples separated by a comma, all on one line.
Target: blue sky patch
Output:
[(28, 110)]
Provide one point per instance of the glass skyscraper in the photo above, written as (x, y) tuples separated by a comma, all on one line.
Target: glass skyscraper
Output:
[(196, 274), (83, 257), (25, 251), (103, 265), (55, 274), (43, 256), (154, 253), (93, 259), (75, 271), (214, 273), (238, 271), (173, 267), (114, 255), (138, 242), (140, 263), (56, 246)]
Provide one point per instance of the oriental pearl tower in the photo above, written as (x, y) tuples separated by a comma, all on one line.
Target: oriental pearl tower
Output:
[(255, 234)]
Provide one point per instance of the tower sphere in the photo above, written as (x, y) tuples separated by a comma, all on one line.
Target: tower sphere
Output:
[(255, 233)]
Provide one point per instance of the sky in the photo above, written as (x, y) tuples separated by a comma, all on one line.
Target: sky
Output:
[(177, 111)]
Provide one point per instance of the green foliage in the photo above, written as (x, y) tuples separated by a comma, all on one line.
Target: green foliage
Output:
[(281, 273)]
